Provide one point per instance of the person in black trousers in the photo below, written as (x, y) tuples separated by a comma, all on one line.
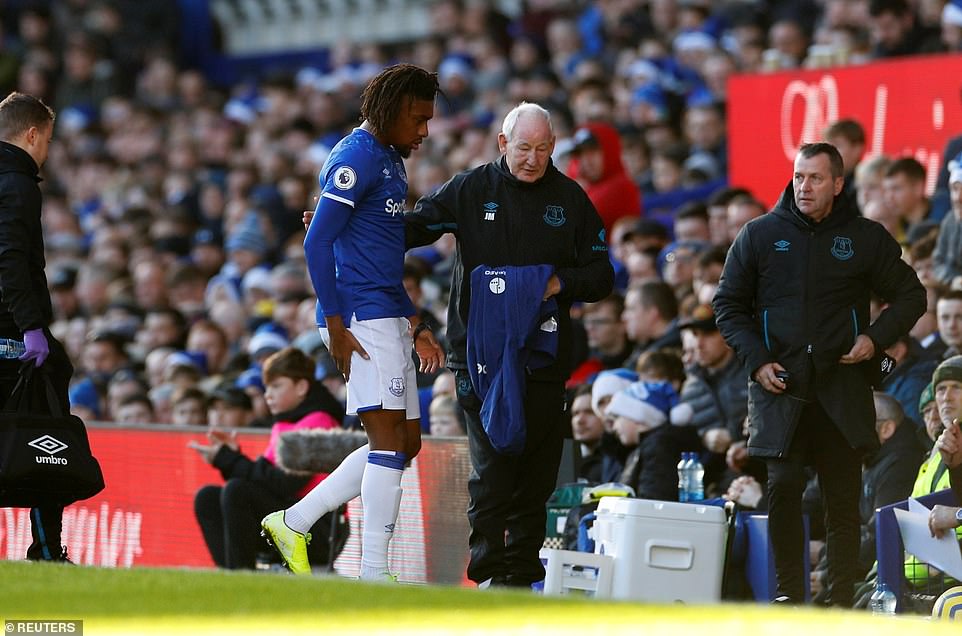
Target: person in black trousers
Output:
[(518, 211), (26, 127), (793, 302)]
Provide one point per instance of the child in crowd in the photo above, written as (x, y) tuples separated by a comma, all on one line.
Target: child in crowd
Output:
[(447, 418), (643, 414), (189, 407), (229, 515)]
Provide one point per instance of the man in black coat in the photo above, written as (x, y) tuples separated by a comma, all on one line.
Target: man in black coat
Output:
[(793, 302), (26, 127), (516, 211)]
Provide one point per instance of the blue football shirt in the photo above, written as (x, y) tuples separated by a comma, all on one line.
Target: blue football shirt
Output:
[(355, 244)]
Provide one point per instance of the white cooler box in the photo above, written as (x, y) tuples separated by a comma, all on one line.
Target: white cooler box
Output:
[(662, 551)]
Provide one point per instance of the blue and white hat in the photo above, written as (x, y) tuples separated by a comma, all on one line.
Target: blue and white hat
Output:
[(952, 13), (609, 383), (693, 41), (652, 403)]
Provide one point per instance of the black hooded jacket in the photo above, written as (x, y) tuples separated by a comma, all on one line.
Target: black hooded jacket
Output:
[(498, 221), (24, 298), (797, 293)]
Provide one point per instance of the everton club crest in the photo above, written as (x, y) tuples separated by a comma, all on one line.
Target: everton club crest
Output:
[(842, 248), (554, 215)]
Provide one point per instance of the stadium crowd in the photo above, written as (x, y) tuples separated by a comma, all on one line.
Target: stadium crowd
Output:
[(173, 205)]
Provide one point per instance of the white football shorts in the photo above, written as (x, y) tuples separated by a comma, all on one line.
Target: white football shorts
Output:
[(388, 379)]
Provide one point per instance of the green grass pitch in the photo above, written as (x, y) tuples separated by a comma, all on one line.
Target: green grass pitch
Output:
[(170, 601)]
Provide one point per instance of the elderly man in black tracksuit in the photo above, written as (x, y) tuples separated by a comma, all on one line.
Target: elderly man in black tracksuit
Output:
[(794, 297), (517, 211), (26, 127)]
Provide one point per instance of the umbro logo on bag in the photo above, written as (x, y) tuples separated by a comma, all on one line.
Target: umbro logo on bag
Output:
[(50, 445)]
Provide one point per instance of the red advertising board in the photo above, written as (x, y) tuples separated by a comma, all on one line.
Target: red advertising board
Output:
[(910, 106), (145, 515)]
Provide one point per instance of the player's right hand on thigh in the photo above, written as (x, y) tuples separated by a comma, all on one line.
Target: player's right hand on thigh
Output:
[(343, 346)]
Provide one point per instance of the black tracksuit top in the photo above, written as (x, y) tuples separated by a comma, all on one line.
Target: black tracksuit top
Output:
[(499, 220), (24, 299)]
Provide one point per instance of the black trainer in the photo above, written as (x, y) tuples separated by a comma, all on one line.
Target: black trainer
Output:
[(37, 555)]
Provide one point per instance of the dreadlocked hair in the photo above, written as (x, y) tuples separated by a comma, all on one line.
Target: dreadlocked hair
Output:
[(393, 88)]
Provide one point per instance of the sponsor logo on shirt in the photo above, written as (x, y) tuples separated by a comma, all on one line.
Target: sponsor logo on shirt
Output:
[(489, 210), (344, 178), (782, 245), (393, 208), (602, 246)]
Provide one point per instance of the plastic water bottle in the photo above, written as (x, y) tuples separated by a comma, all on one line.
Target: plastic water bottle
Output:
[(11, 349), (883, 601), (889, 601), (875, 600), (683, 478), (696, 478)]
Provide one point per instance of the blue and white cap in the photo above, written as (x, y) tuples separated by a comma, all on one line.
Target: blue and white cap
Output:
[(652, 403), (955, 165)]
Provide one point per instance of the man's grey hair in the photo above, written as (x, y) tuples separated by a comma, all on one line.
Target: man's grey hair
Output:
[(888, 408), (526, 109)]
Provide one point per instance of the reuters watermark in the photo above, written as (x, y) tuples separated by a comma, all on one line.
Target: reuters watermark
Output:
[(43, 627)]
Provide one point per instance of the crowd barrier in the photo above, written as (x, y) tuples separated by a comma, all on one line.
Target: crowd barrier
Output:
[(145, 515)]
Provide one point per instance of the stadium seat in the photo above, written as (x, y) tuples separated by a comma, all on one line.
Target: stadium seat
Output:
[(760, 561)]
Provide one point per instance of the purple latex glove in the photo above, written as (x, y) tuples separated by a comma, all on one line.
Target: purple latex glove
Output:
[(36, 345)]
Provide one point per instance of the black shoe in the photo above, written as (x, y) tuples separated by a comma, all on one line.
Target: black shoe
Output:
[(518, 582), (494, 581), (63, 557), (783, 600), (37, 555)]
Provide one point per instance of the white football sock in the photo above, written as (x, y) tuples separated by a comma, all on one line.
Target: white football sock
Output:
[(339, 487), (381, 499)]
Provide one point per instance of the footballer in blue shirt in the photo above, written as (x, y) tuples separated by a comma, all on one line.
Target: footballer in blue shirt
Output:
[(355, 255)]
